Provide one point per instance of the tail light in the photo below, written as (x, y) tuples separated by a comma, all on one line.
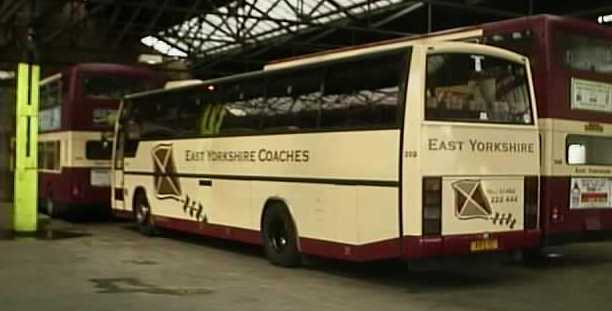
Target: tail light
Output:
[(76, 191), (432, 205), (530, 204), (556, 215)]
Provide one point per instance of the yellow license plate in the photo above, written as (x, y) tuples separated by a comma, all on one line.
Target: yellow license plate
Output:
[(483, 245)]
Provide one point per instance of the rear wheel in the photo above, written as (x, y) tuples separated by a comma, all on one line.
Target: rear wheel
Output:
[(280, 237), (142, 214)]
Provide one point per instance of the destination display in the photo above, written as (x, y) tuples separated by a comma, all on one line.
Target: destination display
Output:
[(591, 95)]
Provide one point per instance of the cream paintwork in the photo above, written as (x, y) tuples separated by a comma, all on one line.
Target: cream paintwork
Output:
[(322, 211), (554, 133), (342, 213), (331, 155), (72, 148), (417, 132)]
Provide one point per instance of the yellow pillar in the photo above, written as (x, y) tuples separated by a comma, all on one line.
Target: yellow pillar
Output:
[(25, 214)]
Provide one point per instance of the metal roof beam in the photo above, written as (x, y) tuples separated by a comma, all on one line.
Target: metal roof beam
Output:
[(74, 23), (343, 9), (127, 26), (473, 8), (8, 11), (155, 18), (597, 11), (399, 14)]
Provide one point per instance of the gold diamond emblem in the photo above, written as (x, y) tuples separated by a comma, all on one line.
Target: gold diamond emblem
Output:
[(167, 184), (470, 200)]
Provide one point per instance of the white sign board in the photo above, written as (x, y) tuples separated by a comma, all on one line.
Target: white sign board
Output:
[(100, 177), (591, 95), (590, 193)]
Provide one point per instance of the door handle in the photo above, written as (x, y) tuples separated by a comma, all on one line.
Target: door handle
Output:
[(205, 182)]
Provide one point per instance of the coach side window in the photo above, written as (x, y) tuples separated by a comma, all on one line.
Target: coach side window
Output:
[(243, 107), (363, 93), (292, 101)]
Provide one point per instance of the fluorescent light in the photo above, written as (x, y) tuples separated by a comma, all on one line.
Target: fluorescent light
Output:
[(162, 47), (7, 75), (604, 19), (151, 59)]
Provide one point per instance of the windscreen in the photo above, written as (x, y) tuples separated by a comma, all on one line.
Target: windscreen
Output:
[(476, 88), (581, 52), (114, 86)]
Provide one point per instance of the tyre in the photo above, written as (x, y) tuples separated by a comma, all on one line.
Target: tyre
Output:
[(279, 237), (142, 214)]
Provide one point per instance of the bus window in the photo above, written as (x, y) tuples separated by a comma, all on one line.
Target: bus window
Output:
[(243, 108), (112, 86), (476, 88), (49, 155), (98, 149), (589, 150), (293, 101), (50, 106), (585, 53), (363, 93), (154, 119)]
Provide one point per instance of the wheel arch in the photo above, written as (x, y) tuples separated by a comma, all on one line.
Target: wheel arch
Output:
[(279, 201)]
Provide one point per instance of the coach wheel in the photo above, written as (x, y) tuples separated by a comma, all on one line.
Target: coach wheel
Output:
[(142, 211), (280, 237)]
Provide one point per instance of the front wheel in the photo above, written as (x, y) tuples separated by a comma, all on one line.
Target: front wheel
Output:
[(142, 213), (280, 237)]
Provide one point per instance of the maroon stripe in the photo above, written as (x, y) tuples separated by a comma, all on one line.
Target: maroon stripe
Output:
[(414, 246)]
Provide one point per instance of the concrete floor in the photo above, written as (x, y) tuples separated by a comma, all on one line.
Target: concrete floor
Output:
[(110, 266)]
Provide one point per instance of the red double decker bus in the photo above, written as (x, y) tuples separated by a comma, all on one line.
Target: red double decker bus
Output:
[(77, 106), (572, 67)]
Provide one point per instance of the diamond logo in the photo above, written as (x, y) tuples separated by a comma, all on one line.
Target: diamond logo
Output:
[(470, 200), (167, 184)]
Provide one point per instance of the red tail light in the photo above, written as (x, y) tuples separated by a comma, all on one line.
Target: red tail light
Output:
[(432, 205), (76, 191), (530, 203), (556, 215)]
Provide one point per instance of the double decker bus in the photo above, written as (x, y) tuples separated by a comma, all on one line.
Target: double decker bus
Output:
[(385, 152), (572, 67), (77, 106)]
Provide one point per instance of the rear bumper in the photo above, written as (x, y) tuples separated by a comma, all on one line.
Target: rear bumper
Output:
[(415, 247)]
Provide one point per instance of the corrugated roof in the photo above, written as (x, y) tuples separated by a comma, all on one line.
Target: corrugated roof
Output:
[(243, 23)]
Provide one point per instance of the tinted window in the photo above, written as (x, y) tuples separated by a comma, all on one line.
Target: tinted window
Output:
[(113, 86), (49, 155), (363, 93), (476, 88), (98, 150), (293, 100), (243, 108), (356, 95), (51, 94), (596, 150), (585, 53)]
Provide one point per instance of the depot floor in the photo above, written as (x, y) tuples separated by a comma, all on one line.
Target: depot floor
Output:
[(110, 266)]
